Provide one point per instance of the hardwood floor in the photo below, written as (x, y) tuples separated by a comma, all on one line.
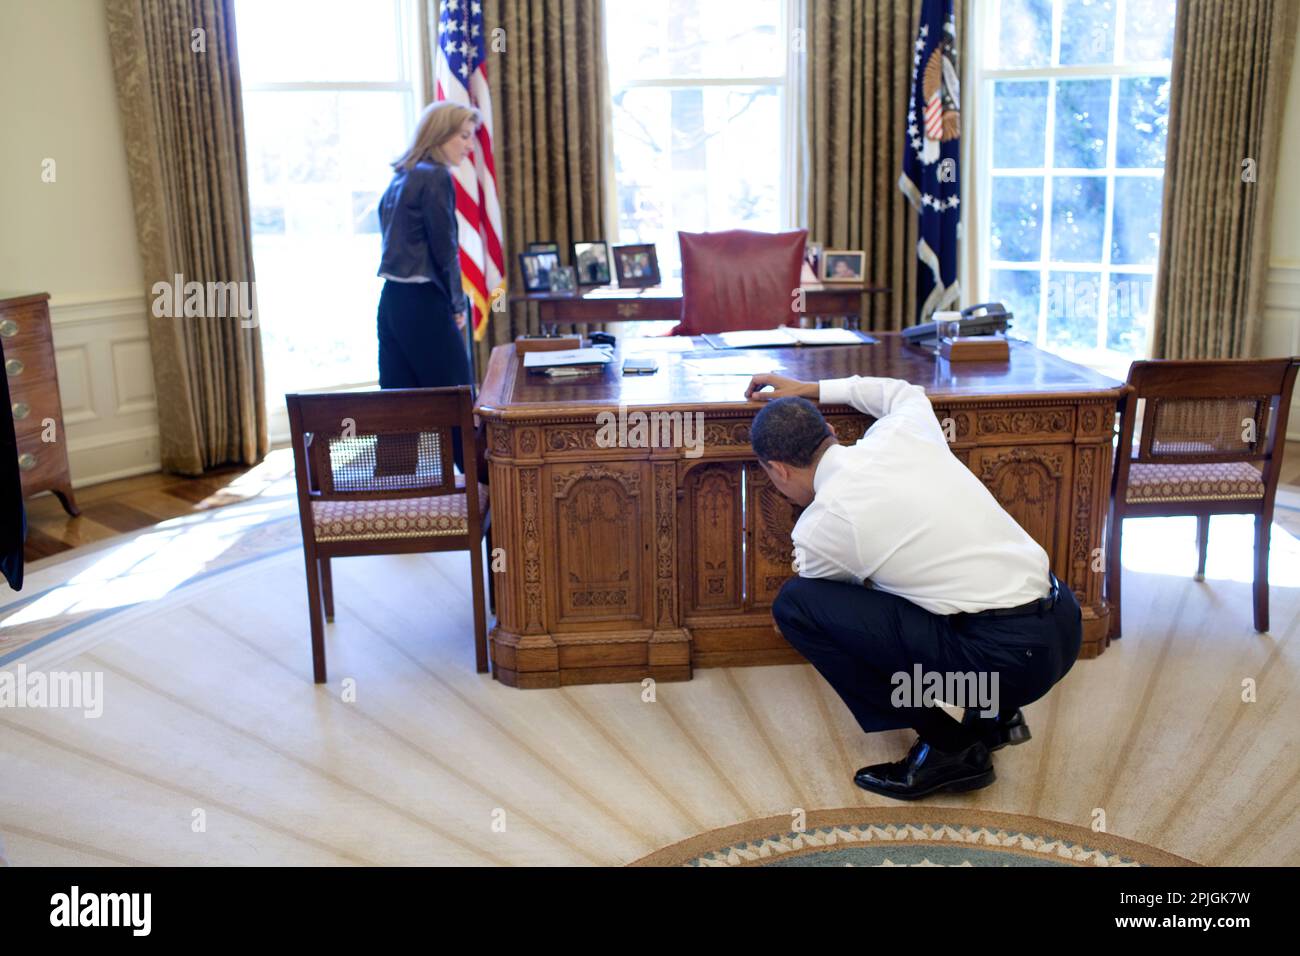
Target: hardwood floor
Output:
[(132, 504)]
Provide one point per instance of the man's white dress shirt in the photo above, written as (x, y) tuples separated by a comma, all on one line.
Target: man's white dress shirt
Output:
[(899, 508)]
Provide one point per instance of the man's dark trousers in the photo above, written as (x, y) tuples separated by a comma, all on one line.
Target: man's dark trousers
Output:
[(858, 638)]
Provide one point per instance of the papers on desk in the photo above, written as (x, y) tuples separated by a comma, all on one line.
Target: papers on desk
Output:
[(783, 337), (565, 358), (737, 365), (660, 343)]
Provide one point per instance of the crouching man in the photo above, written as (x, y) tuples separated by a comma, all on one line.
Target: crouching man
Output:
[(907, 565)]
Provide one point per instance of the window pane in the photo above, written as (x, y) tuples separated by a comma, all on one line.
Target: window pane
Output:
[(695, 159), (1078, 208), (1135, 229), (1072, 309), (317, 164), (1019, 116), (693, 38), (1087, 31), (1024, 34), (1018, 290), (1143, 122), (1017, 232), (1082, 115), (1128, 312), (1148, 30), (318, 41)]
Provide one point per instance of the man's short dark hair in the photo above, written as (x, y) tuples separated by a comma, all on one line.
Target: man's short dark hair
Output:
[(788, 430)]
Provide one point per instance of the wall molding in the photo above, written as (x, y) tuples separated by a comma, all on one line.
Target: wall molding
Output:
[(1280, 334), (101, 350)]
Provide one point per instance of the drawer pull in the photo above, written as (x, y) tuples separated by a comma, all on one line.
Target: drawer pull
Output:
[(21, 410), (26, 461), (8, 328), (14, 367), (629, 309)]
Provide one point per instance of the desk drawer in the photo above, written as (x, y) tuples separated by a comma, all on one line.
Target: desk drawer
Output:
[(24, 325), (28, 365), (34, 402), (41, 465)]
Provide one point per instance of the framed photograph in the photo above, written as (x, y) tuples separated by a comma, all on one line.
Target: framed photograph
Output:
[(591, 259), (537, 268), (544, 247), (638, 266), (843, 265), (564, 279), (812, 254)]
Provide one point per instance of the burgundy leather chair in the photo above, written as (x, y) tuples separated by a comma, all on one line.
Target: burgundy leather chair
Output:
[(739, 279)]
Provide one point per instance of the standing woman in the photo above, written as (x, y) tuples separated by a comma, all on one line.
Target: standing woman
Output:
[(423, 307)]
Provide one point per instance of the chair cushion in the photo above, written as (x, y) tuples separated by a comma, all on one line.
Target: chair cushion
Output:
[(376, 519), (739, 279), (1194, 482)]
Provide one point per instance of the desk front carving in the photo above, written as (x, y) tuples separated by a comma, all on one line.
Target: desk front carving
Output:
[(622, 563)]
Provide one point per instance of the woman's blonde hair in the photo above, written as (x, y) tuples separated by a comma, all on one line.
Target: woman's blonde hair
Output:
[(439, 122)]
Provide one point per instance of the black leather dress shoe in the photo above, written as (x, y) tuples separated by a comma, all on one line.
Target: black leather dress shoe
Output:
[(1014, 730), (926, 770)]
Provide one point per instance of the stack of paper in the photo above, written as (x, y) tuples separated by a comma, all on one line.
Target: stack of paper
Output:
[(565, 357), (784, 336)]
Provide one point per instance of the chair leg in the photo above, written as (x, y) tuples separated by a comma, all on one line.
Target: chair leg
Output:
[(317, 625), (1202, 543), (1113, 574), (327, 588), (480, 618), (1263, 527)]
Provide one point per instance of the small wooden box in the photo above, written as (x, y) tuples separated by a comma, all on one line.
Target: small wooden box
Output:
[(976, 348), (547, 343)]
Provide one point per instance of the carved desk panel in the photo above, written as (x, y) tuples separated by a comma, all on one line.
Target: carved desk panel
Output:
[(635, 536)]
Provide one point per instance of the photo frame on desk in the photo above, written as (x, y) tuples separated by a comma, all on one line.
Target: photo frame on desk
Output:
[(637, 265), (591, 259), (536, 268), (564, 280), (843, 265)]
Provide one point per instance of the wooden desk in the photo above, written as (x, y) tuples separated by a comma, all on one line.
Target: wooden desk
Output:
[(664, 302), (629, 562)]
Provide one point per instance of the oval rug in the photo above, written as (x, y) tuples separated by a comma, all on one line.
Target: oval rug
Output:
[(905, 836)]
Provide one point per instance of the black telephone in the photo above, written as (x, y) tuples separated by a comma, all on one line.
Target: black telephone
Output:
[(992, 317)]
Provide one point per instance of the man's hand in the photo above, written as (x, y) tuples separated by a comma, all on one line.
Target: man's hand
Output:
[(782, 387), (460, 321)]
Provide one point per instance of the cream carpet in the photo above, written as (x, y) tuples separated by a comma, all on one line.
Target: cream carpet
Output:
[(215, 747)]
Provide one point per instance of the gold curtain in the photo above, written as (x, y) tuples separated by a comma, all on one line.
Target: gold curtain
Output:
[(859, 75), (548, 89), (1232, 60), (178, 92)]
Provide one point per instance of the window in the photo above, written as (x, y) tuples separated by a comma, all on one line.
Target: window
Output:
[(1072, 118), (329, 101), (699, 118)]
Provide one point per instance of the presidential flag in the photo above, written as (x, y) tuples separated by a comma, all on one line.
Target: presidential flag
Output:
[(931, 157), (461, 76)]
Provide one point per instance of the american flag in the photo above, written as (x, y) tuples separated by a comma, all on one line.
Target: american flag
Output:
[(461, 76), (931, 155)]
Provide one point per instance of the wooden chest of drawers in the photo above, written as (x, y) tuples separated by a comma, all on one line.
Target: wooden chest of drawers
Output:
[(34, 397)]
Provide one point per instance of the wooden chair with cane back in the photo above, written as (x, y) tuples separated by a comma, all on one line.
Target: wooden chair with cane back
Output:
[(1211, 439), (375, 475)]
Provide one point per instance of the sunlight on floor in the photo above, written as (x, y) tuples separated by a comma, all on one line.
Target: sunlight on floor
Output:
[(151, 565), (1168, 546)]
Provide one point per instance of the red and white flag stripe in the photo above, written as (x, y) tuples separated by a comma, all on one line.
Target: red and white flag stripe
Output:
[(478, 212)]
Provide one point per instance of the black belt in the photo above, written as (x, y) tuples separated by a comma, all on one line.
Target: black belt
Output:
[(1039, 606)]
